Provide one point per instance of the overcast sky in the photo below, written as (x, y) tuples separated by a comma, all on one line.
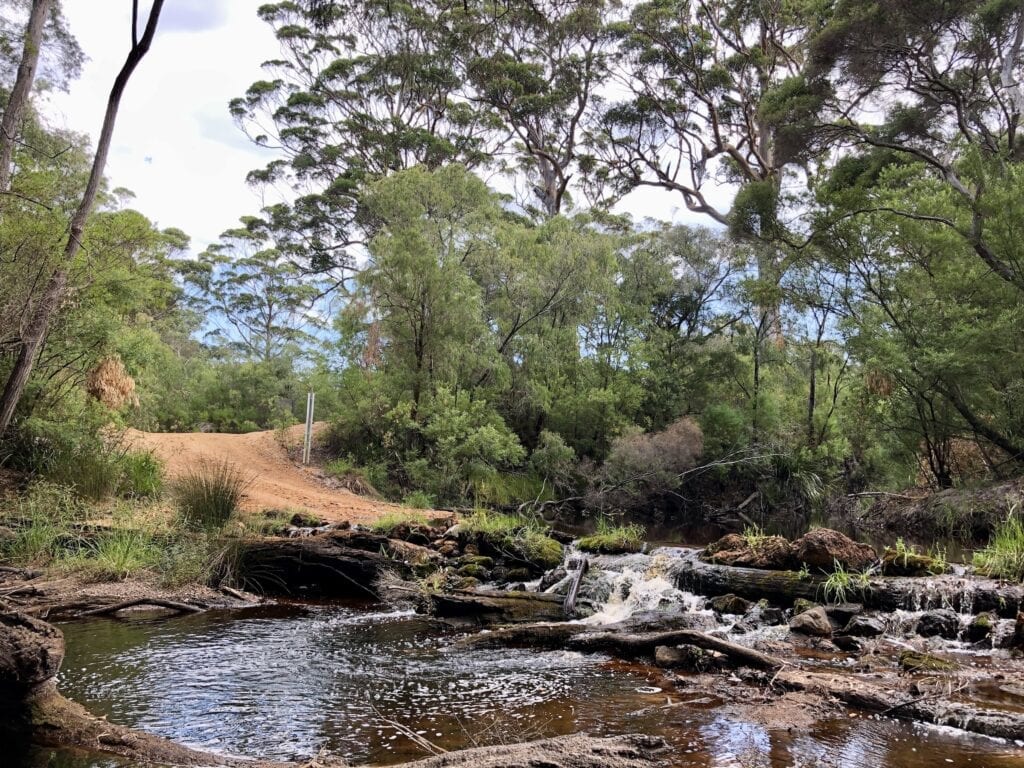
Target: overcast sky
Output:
[(175, 145)]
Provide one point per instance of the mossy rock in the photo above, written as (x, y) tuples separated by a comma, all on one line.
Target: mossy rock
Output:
[(473, 571), (915, 661), (802, 605), (980, 627), (482, 560), (904, 563), (604, 544)]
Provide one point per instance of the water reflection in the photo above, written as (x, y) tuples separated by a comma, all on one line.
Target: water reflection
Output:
[(285, 682)]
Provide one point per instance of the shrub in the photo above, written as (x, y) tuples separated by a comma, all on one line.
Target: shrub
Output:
[(208, 495), (643, 466), (1004, 555)]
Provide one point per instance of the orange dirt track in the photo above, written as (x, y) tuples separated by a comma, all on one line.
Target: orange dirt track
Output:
[(278, 482)]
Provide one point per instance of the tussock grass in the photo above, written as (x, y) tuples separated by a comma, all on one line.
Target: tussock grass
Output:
[(209, 494), (1004, 555)]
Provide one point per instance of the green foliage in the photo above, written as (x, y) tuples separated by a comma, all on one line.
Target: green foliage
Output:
[(390, 522), (1003, 557), (419, 500), (613, 539), (114, 555), (208, 495)]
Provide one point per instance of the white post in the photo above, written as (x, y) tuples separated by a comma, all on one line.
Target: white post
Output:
[(307, 443)]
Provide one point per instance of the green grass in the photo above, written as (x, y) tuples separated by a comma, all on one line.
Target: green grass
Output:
[(754, 536), (209, 495), (1004, 555), (114, 555), (521, 537), (842, 584), (419, 500), (614, 539), (392, 521), (142, 475), (43, 520)]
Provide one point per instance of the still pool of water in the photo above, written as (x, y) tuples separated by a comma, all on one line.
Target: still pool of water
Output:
[(287, 681)]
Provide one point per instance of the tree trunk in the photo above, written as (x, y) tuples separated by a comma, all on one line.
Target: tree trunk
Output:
[(22, 88), (54, 292)]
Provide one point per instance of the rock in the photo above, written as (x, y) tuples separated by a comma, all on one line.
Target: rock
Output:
[(942, 623), (800, 605), (812, 622), (864, 626), (474, 571), (766, 552), (31, 652), (551, 578), (980, 627), (761, 615), (686, 657), (843, 612), (448, 548), (730, 604), (822, 548), (848, 643), (307, 520), (482, 560), (902, 562)]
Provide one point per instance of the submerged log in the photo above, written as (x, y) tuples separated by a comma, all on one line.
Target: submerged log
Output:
[(495, 607), (576, 751), (152, 602), (963, 594)]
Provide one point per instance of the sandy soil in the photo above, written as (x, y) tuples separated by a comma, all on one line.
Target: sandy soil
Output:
[(278, 482)]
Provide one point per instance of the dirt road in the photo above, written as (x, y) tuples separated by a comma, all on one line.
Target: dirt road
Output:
[(277, 481)]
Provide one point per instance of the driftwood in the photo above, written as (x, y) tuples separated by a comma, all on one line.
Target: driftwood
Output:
[(576, 751), (496, 606), (965, 595), (150, 601), (1004, 724)]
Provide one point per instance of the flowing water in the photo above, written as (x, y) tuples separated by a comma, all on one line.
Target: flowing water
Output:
[(287, 681)]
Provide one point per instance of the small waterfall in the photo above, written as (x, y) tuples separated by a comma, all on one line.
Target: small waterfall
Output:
[(622, 587)]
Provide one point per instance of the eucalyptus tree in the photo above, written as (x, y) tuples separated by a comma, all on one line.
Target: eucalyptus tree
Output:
[(40, 315), (938, 87), (367, 88)]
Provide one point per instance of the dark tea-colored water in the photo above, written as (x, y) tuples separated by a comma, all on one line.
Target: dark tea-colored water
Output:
[(287, 681)]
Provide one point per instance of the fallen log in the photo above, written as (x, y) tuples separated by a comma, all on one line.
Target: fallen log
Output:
[(496, 607), (323, 565), (963, 594), (630, 645), (575, 751), (154, 602), (1003, 724)]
